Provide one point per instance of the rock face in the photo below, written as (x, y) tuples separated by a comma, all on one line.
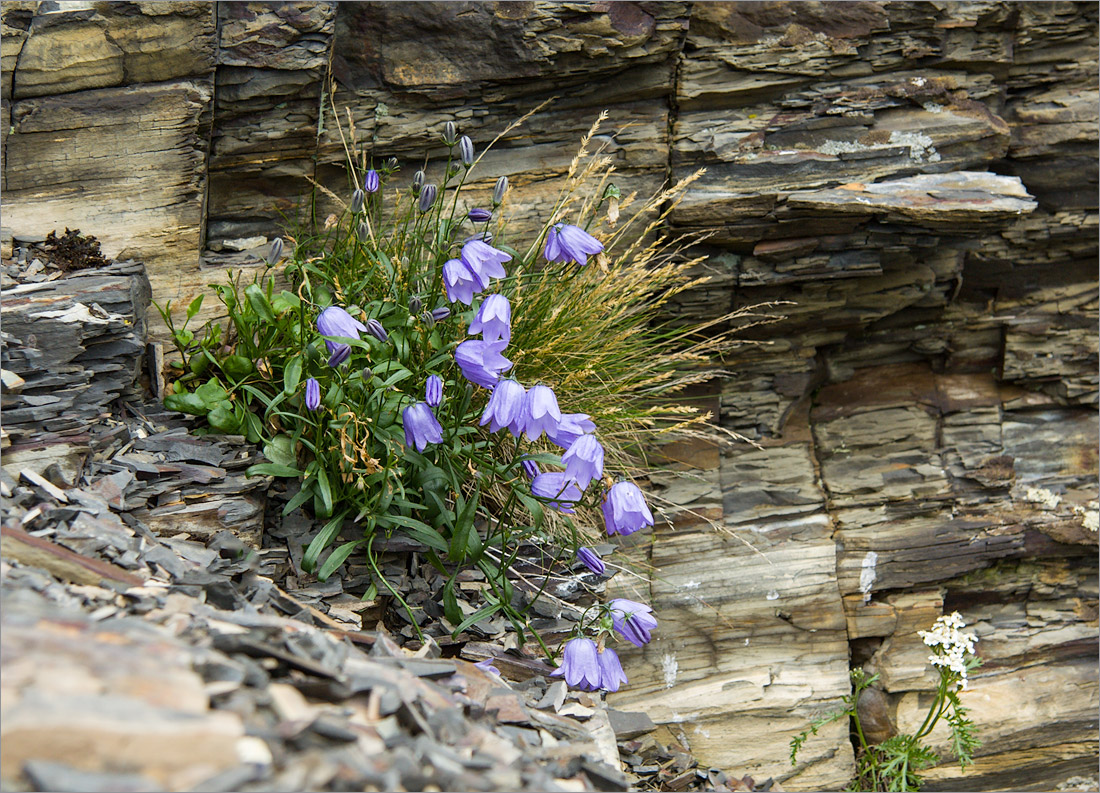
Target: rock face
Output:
[(916, 182)]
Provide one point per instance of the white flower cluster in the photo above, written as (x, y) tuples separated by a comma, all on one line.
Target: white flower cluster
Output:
[(949, 645)]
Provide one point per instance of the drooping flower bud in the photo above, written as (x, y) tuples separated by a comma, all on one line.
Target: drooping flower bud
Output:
[(357, 201), (372, 181), (374, 328), (440, 314), (479, 215), (276, 251), (415, 304), (499, 190), (466, 150), (450, 133), (427, 197), (433, 390)]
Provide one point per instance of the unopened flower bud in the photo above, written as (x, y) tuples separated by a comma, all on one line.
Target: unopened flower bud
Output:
[(418, 181), (499, 190), (453, 169), (466, 150), (441, 313), (415, 304), (479, 215), (391, 163), (450, 133), (363, 230), (374, 328), (357, 201), (367, 373), (372, 181), (276, 251), (427, 197)]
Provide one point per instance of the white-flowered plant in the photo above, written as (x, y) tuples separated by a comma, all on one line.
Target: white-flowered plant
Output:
[(951, 648), (895, 763)]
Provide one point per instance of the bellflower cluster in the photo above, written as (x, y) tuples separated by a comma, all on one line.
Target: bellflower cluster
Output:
[(378, 424)]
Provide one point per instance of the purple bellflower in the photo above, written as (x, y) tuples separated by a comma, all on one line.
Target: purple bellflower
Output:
[(421, 427), (340, 353), (494, 319), (481, 361), (460, 281), (433, 390), (633, 621), (540, 412), (566, 243), (334, 321), (313, 394), (487, 666), (571, 427), (560, 491), (531, 468), (611, 670), (440, 314), (591, 560), (579, 665), (484, 261), (625, 510), (479, 215), (371, 182), (505, 408), (584, 460)]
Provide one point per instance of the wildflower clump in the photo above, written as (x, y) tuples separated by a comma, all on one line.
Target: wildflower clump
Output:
[(426, 374), (895, 763)]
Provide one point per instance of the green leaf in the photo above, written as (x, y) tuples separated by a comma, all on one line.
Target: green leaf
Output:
[(395, 378), (271, 469), (421, 532), (280, 450), (450, 603), (324, 490), (223, 420), (301, 497), (464, 527), (183, 337), (292, 374), (237, 367), (253, 430), (193, 309), (186, 403), (534, 507), (477, 616), (258, 300), (337, 558), (323, 539), (285, 301), (211, 392)]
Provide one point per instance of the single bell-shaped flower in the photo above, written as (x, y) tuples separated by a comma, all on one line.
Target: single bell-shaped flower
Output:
[(633, 621), (334, 321), (505, 408), (584, 460), (560, 492), (421, 426), (579, 665), (484, 261), (571, 427), (541, 413), (566, 243), (611, 670), (625, 510), (494, 319), (460, 282), (481, 361)]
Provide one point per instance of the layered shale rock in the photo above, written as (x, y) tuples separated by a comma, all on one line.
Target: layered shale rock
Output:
[(913, 186)]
